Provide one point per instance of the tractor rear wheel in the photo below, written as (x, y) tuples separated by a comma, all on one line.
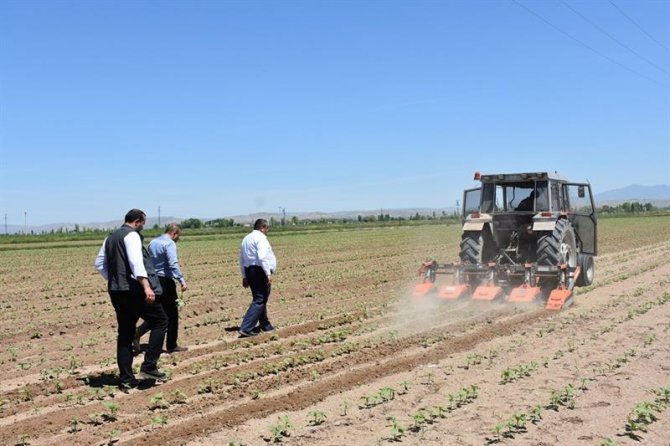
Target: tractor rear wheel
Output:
[(477, 247), (558, 247)]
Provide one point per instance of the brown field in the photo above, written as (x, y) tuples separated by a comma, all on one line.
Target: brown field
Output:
[(354, 360)]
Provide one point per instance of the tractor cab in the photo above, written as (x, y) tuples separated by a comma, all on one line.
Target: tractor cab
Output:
[(533, 202)]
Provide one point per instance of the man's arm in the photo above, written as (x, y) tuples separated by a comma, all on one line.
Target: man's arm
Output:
[(173, 262), (101, 261), (245, 284), (266, 256), (133, 245)]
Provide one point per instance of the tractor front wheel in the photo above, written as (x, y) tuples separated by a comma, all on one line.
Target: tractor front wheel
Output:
[(558, 247), (588, 270)]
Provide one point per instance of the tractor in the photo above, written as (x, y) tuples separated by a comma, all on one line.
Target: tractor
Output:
[(527, 237)]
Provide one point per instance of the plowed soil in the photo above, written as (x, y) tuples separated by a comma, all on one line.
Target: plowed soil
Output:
[(354, 360)]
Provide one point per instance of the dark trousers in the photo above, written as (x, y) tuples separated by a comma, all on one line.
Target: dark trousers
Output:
[(168, 301), (129, 307), (260, 292)]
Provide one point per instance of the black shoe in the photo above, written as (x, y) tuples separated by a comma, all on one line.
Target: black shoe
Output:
[(269, 329), (126, 386), (177, 349), (247, 334), (154, 374)]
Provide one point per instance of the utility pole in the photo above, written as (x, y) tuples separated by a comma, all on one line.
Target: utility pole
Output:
[(159, 216), (25, 222), (6, 224), (283, 219)]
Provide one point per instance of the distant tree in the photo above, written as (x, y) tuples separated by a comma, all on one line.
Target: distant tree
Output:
[(191, 223), (221, 223), (294, 220)]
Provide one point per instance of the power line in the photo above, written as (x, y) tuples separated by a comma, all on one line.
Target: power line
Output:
[(604, 56), (614, 38), (638, 26)]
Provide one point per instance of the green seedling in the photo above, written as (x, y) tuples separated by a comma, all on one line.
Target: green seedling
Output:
[(159, 421), (281, 429), (420, 419), (387, 393), (158, 401), (74, 425), (397, 430), (113, 434), (517, 423), (113, 409), (345, 405), (316, 417), (535, 414), (96, 419), (565, 398)]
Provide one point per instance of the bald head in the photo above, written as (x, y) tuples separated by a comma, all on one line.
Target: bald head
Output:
[(173, 230)]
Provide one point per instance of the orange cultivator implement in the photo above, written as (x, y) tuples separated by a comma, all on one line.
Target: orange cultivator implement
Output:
[(487, 292), (453, 292), (427, 272), (519, 284), (526, 292), (490, 291), (421, 289), (562, 297)]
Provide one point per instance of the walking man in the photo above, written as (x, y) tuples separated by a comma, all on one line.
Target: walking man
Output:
[(163, 253), (132, 286), (257, 265)]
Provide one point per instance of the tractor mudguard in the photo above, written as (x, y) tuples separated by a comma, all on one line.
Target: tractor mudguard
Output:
[(473, 226)]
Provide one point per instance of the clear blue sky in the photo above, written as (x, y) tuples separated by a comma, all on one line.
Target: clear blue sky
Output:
[(215, 108)]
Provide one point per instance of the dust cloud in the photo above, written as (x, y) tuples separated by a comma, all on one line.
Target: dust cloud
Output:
[(416, 315)]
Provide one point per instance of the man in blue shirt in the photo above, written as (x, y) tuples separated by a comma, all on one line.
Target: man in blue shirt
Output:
[(163, 253)]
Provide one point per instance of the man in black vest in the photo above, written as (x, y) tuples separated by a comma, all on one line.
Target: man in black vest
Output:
[(133, 285)]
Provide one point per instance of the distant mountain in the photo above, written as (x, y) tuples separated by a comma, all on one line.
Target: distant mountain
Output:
[(15, 229), (658, 196)]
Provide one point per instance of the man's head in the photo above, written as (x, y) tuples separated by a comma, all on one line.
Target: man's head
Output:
[(136, 218), (173, 230), (261, 225)]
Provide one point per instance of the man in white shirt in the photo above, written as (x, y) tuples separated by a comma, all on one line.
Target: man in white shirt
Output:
[(133, 285), (257, 265)]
